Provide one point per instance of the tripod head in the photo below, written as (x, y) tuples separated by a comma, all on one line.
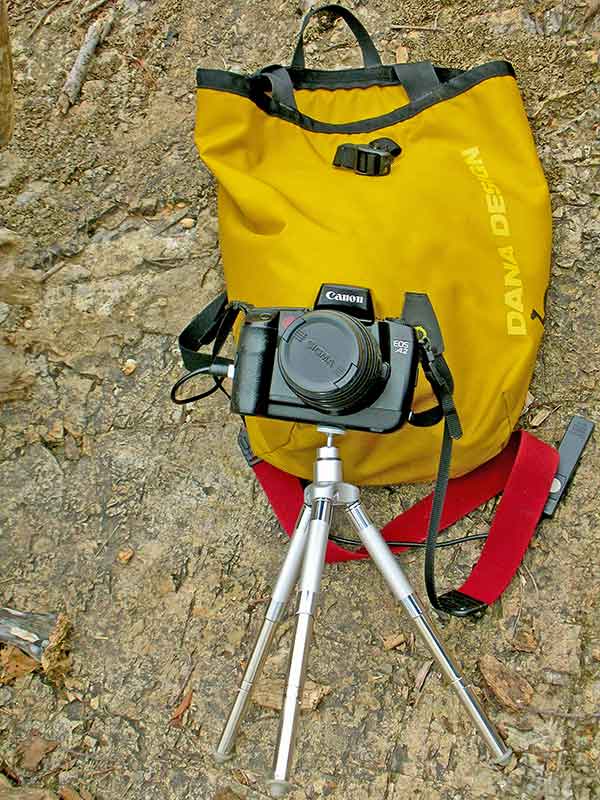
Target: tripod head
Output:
[(330, 431)]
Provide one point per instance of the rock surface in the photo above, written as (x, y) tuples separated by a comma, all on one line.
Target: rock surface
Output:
[(100, 267)]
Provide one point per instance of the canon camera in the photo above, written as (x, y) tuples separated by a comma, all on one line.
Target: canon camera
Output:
[(334, 364)]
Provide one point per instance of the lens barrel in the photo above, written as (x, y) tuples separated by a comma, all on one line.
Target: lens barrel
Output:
[(332, 362)]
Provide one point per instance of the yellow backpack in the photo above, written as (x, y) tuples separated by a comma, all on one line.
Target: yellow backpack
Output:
[(457, 206)]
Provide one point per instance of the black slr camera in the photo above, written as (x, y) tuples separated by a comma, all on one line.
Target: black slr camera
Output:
[(334, 364)]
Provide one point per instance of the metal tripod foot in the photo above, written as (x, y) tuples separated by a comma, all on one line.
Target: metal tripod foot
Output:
[(281, 594)]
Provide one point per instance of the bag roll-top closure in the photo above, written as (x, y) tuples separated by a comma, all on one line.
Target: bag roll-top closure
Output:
[(273, 89)]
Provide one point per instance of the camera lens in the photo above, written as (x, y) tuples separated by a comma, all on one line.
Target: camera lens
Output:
[(331, 361)]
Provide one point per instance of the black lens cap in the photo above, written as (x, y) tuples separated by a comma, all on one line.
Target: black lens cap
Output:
[(330, 360)]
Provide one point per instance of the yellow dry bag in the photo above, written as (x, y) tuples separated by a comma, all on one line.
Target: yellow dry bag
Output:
[(400, 178)]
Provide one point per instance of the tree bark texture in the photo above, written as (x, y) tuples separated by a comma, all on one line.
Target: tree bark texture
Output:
[(7, 100)]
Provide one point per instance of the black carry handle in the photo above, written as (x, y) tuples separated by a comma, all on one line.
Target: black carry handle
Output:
[(418, 78), (281, 85), (369, 51)]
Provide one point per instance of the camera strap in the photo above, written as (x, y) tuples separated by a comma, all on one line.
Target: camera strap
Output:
[(212, 325), (419, 314)]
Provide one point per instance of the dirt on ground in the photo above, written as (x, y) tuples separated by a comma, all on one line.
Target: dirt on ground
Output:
[(142, 521)]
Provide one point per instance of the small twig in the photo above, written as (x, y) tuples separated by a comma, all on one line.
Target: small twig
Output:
[(258, 601), (554, 97), (53, 270), (416, 28), (101, 772), (434, 28), (96, 34), (565, 715), (44, 14), (170, 222), (110, 538), (528, 571), (183, 684), (139, 63), (92, 7)]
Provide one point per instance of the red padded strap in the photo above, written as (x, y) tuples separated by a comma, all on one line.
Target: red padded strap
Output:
[(524, 470)]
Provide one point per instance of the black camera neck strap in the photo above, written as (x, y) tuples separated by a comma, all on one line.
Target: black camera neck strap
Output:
[(211, 326), (419, 314)]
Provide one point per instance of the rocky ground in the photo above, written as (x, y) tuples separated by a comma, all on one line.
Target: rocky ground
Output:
[(108, 245)]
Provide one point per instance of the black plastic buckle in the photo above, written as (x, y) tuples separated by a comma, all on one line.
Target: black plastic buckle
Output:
[(363, 159), (244, 445), (370, 161), (571, 448), (460, 605)]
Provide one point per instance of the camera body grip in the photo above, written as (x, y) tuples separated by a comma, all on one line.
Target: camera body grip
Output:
[(254, 363)]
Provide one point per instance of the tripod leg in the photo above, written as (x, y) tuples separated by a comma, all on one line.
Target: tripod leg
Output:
[(307, 599), (403, 591), (286, 581)]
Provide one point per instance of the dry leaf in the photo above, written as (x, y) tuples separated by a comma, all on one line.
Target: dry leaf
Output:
[(509, 688), (541, 416), (14, 664), (176, 720), (269, 694), (525, 641), (393, 640), (34, 751), (68, 793), (242, 777), (55, 659), (422, 675), (528, 401), (401, 55), (6, 769)]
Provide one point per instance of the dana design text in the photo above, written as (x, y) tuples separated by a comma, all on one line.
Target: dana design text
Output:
[(496, 206)]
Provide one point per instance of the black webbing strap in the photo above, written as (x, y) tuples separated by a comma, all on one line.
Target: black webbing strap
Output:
[(418, 312), (282, 87), (212, 324), (418, 78), (369, 51)]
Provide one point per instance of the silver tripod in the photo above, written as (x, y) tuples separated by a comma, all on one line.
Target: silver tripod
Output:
[(304, 565)]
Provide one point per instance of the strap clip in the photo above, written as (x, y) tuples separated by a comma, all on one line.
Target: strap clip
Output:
[(244, 445), (363, 159), (460, 605)]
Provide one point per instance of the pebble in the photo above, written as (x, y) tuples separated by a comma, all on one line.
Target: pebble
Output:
[(188, 222), (148, 205), (55, 431), (125, 555), (90, 742), (129, 366), (27, 324)]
